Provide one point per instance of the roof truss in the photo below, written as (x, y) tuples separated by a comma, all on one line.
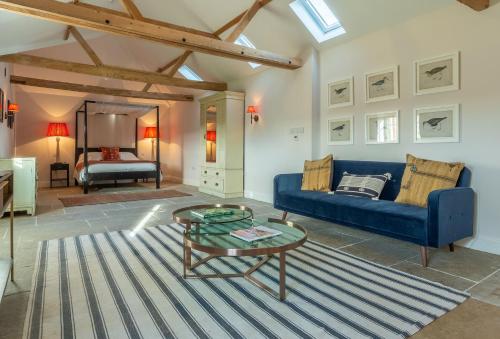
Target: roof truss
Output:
[(105, 21)]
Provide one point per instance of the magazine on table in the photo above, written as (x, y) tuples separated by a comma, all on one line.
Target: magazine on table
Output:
[(211, 212), (255, 233)]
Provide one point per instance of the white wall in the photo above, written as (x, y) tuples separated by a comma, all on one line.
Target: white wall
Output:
[(454, 28), (183, 163), (6, 134), (285, 100)]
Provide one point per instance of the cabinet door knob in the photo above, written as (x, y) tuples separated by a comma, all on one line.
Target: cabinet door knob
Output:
[(216, 184), (217, 173), (205, 182), (205, 172)]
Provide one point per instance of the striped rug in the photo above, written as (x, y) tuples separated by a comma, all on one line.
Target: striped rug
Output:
[(119, 285)]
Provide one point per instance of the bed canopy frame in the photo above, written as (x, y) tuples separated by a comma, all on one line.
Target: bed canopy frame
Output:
[(90, 107)]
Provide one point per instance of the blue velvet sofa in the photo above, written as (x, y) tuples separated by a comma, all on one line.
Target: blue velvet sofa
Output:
[(448, 217)]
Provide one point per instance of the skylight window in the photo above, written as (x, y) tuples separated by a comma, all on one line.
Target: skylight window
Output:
[(318, 18), (244, 41), (189, 74)]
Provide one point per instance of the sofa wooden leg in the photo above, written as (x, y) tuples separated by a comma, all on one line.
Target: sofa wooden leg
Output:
[(285, 214), (424, 255), (452, 247)]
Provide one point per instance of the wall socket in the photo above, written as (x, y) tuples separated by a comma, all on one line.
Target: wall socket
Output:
[(296, 132)]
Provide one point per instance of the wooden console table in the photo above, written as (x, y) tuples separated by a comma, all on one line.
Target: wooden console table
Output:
[(7, 203)]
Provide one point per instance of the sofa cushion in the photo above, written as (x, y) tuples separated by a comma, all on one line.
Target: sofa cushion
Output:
[(387, 217), (317, 174), (422, 176), (363, 186), (300, 201)]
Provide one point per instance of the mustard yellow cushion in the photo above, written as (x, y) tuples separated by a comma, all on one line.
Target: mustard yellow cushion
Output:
[(317, 174), (422, 176)]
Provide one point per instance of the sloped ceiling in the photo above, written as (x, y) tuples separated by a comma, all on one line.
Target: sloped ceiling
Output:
[(275, 28)]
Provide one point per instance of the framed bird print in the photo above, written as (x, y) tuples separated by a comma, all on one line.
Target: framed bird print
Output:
[(382, 128), (437, 124), (382, 85), (439, 74), (341, 93), (340, 130)]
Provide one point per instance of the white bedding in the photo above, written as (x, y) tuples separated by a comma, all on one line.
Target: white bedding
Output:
[(113, 167)]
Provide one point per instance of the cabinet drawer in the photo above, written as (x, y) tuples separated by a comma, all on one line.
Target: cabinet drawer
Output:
[(212, 172), (212, 184)]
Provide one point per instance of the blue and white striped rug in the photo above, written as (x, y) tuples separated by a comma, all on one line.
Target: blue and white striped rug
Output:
[(115, 285)]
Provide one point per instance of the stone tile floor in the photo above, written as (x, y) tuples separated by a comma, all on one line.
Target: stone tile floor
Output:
[(465, 269)]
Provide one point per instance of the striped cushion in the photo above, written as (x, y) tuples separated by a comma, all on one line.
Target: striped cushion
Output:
[(365, 186), (422, 176), (318, 174)]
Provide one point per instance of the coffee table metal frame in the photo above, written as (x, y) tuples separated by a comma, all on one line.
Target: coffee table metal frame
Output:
[(214, 252)]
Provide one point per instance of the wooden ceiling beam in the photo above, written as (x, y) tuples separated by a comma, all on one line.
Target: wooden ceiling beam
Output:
[(151, 21), (477, 5), (90, 52), (228, 25), (111, 72), (75, 15), (65, 86), (175, 64), (244, 21), (132, 9)]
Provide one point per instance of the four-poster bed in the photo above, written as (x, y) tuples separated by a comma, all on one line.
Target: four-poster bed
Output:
[(90, 171)]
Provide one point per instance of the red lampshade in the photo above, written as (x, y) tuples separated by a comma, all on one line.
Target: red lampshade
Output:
[(211, 136), (252, 109), (57, 129), (13, 107), (150, 133)]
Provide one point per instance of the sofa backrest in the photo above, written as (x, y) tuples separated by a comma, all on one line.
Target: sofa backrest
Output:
[(396, 169)]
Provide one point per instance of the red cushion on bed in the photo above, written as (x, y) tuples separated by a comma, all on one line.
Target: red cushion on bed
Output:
[(110, 153)]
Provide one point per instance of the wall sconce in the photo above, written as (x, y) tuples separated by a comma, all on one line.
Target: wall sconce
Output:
[(12, 108), (253, 114)]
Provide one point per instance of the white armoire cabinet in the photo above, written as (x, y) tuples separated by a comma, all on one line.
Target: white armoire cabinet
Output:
[(222, 133), (25, 182)]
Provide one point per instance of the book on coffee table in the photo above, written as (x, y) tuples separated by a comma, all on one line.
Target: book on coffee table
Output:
[(211, 212), (255, 233)]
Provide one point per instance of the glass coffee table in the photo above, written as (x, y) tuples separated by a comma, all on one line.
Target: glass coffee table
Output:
[(211, 236)]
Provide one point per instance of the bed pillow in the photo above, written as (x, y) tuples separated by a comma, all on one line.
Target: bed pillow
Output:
[(422, 176), (92, 156), (365, 186), (127, 156), (110, 153), (318, 174)]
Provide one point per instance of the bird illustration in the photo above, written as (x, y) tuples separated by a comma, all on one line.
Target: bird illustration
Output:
[(379, 84), (339, 129), (434, 123), (339, 91), (436, 71)]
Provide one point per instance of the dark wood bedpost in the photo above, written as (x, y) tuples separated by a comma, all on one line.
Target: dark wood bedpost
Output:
[(158, 169), (76, 141), (85, 151)]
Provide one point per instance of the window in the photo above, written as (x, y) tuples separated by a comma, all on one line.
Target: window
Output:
[(318, 19), (244, 41), (189, 74)]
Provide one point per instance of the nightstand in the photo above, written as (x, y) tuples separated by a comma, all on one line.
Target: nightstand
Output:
[(59, 166)]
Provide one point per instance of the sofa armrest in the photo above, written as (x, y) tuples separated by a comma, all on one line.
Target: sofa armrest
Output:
[(450, 215), (286, 182)]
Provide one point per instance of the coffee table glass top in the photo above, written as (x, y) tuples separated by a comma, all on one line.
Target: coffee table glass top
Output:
[(217, 235), (238, 213)]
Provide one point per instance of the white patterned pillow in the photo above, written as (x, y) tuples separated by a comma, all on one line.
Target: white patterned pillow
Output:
[(366, 186)]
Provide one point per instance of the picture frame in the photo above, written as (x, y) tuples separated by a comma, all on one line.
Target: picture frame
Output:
[(340, 130), (382, 85), (436, 124), (341, 93), (2, 105), (437, 74), (382, 128)]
